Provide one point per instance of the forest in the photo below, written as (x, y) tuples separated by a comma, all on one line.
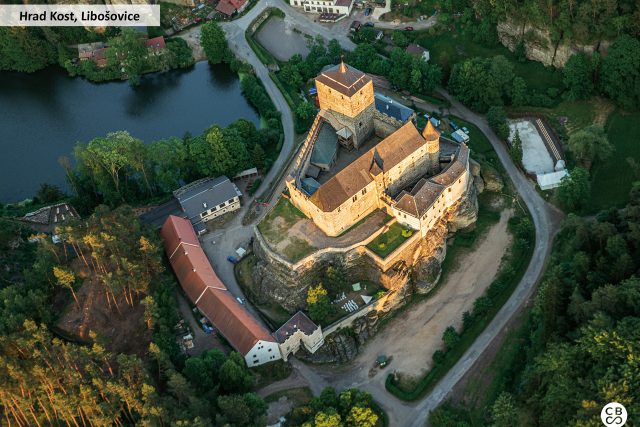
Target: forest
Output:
[(580, 342), (46, 379)]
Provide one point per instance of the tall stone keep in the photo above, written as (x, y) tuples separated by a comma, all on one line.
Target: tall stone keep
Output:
[(348, 94)]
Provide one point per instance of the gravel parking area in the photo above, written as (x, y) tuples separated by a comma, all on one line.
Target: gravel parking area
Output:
[(277, 35)]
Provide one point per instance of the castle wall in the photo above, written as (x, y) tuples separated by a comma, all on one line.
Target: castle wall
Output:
[(335, 222), (409, 170), (298, 339), (384, 125)]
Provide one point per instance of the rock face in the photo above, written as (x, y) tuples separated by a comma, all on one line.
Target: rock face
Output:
[(539, 46), (492, 180), (343, 345)]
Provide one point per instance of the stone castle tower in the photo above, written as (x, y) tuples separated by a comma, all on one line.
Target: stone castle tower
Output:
[(348, 94), (432, 136)]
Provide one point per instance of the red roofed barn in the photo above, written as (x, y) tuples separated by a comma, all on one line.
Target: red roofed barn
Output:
[(205, 289)]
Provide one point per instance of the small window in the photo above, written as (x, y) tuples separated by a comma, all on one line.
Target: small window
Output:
[(269, 349), (449, 190), (364, 191), (354, 198)]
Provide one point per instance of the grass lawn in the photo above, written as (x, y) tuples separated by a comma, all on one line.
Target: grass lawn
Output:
[(612, 179), (281, 218), (388, 241), (579, 114), (297, 249), (450, 47)]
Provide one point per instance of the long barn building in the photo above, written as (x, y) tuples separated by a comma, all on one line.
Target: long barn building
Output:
[(207, 292)]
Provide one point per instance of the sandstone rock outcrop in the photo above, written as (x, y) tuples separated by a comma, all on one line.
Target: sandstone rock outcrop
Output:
[(539, 46)]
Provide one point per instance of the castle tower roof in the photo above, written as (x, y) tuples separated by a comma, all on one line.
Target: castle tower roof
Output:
[(430, 133), (343, 78)]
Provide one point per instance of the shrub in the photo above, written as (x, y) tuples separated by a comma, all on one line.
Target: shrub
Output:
[(438, 357), (406, 233)]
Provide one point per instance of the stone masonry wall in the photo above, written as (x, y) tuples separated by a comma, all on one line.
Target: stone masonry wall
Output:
[(384, 125)]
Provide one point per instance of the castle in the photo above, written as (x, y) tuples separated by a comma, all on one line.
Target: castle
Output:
[(361, 155)]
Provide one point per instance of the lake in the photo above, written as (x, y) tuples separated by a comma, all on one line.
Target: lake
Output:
[(44, 114)]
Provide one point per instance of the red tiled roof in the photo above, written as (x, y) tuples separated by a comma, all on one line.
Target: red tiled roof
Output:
[(225, 7), (156, 43), (205, 289), (238, 327)]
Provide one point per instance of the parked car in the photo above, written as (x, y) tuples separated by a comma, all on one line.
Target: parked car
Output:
[(453, 125), (368, 24), (232, 259), (465, 130), (408, 28), (367, 11)]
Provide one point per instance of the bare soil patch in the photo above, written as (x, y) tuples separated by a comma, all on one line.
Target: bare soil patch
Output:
[(120, 331)]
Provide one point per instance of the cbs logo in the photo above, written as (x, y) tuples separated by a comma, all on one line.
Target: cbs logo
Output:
[(614, 415)]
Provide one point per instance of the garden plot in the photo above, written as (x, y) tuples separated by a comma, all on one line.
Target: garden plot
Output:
[(535, 156), (278, 36)]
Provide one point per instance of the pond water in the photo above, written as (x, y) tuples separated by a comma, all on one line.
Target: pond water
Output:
[(43, 115)]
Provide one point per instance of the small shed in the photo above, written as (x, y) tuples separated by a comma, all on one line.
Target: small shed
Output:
[(550, 180), (355, 26)]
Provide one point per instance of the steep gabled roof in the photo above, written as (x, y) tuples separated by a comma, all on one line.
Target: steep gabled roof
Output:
[(353, 178), (235, 323), (420, 198)]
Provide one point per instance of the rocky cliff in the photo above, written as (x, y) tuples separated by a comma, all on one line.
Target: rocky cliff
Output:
[(539, 46)]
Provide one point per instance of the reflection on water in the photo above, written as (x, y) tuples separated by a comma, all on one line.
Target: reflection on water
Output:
[(43, 115)]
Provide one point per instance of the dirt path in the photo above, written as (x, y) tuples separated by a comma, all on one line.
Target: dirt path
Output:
[(424, 323)]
